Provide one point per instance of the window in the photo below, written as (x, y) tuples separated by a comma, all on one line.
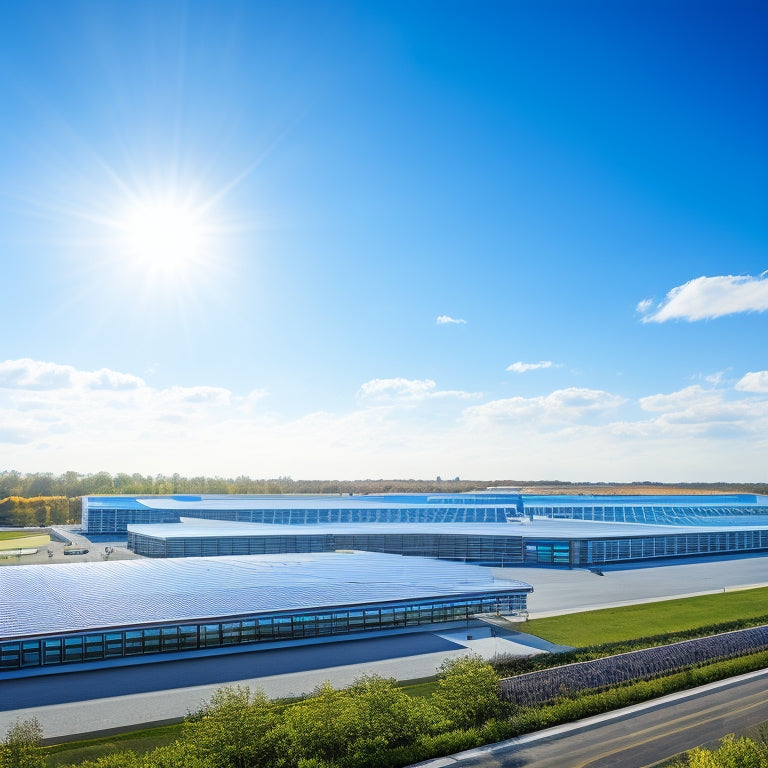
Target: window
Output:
[(113, 644), (210, 635), (170, 638), (73, 649), (52, 650), (151, 640), (94, 647), (188, 638), (30, 653), (9, 656), (133, 644)]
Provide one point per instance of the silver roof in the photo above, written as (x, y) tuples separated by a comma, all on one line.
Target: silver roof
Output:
[(538, 529), (303, 503), (83, 596)]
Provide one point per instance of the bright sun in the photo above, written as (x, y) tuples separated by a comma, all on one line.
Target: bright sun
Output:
[(163, 238)]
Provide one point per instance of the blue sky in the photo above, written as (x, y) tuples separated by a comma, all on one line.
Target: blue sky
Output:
[(349, 240)]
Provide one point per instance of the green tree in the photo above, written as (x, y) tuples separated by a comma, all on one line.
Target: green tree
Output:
[(378, 715), (467, 693), (235, 728), (21, 746), (732, 753), (315, 728)]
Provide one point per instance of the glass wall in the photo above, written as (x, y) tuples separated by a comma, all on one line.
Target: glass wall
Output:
[(217, 633), (490, 550), (679, 545)]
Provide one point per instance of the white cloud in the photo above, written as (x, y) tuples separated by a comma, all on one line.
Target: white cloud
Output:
[(27, 374), (675, 401), (106, 379), (562, 405), (521, 367), (32, 374), (394, 428), (710, 297), (407, 390), (754, 381), (448, 320)]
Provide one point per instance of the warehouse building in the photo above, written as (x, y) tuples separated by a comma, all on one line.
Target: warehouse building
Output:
[(136, 611), (542, 542), (113, 514)]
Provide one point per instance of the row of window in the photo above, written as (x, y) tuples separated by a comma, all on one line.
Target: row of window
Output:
[(507, 549), (116, 520), (99, 646), (643, 514), (668, 546)]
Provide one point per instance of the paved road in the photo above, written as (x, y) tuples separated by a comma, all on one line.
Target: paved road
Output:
[(633, 739)]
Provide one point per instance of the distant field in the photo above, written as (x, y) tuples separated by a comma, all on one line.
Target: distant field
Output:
[(23, 540), (634, 621)]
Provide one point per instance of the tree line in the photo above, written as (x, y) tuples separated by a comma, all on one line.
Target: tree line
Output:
[(72, 484)]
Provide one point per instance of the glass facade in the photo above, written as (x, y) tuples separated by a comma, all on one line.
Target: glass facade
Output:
[(679, 545), (492, 550), (99, 646), (655, 515)]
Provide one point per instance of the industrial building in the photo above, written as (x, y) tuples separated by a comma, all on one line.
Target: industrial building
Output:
[(566, 543), (136, 611), (112, 514)]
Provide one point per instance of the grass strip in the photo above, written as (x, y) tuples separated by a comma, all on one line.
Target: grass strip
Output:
[(5, 535), (75, 752), (609, 625)]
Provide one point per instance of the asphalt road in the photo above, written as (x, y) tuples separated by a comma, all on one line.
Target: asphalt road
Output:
[(633, 740)]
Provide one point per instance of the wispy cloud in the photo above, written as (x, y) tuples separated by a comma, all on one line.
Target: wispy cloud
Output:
[(709, 297), (644, 305), (521, 367), (448, 320)]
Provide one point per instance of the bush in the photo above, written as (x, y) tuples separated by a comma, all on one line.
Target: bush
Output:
[(21, 746)]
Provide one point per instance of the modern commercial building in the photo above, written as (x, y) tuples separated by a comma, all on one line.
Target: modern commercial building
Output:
[(136, 611), (570, 543), (113, 514)]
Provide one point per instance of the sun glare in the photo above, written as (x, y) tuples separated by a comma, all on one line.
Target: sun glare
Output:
[(163, 238)]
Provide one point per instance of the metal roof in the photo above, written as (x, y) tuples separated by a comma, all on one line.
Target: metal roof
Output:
[(84, 596), (538, 529), (189, 503)]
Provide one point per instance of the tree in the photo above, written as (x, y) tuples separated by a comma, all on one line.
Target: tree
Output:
[(235, 728), (21, 746), (732, 753), (467, 693), (379, 715)]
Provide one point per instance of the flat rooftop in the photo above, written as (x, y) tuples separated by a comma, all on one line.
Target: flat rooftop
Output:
[(83, 596), (538, 529), (403, 501)]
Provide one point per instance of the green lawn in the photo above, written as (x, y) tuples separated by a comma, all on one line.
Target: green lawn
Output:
[(5, 535), (635, 621)]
